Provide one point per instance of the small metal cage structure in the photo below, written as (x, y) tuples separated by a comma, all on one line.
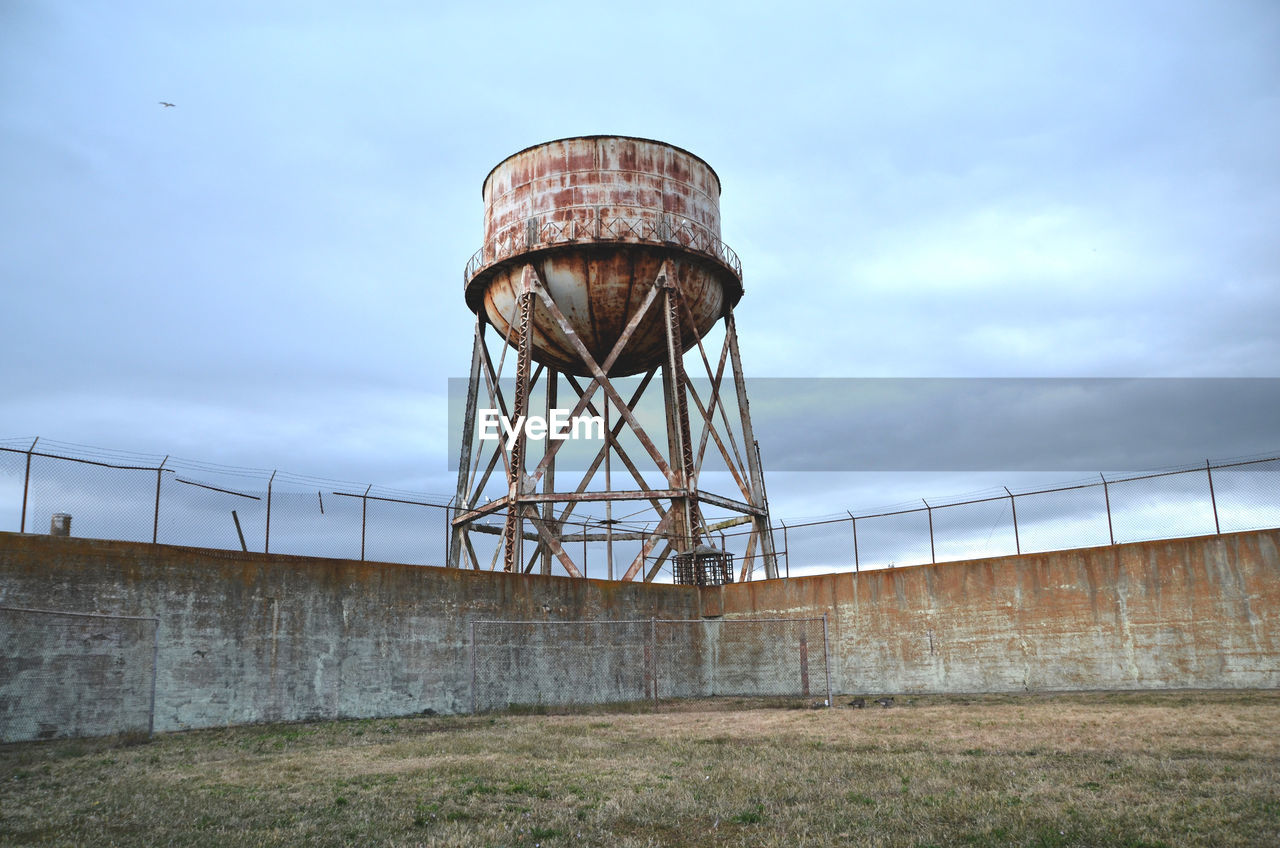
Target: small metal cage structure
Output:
[(703, 566)]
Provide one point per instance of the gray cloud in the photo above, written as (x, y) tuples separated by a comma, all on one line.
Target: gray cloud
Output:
[(270, 272)]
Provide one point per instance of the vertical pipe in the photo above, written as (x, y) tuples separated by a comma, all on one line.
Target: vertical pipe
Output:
[(155, 526), (1017, 543), (266, 545), (679, 447), (933, 553), (549, 477), (1217, 528), (26, 482), (1106, 493), (513, 529), (826, 657), (608, 486), (364, 516)]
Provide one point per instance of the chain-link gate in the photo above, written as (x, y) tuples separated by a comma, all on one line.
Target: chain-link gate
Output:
[(562, 663), (67, 674)]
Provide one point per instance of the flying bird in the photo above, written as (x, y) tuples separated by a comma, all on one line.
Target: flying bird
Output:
[(165, 105)]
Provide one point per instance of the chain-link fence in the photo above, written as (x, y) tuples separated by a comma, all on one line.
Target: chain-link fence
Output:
[(136, 497), (1222, 497), (141, 498), (535, 664), (66, 674)]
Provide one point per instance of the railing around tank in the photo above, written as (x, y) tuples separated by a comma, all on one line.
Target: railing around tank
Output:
[(666, 229)]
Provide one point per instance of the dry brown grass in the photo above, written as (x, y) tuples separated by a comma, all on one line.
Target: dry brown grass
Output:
[(1135, 770)]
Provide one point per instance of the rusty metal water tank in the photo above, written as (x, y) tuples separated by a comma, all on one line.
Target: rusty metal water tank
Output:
[(596, 216)]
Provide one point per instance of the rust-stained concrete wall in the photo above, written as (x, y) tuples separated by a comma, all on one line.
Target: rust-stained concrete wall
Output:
[(249, 637), (1197, 613)]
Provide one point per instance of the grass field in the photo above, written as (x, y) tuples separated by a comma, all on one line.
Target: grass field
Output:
[(1082, 769)]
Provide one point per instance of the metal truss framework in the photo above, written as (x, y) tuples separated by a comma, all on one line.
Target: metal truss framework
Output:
[(675, 509)]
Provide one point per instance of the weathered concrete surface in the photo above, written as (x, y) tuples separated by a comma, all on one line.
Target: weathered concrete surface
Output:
[(1197, 613), (74, 675), (254, 637)]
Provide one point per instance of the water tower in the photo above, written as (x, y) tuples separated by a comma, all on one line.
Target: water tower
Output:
[(601, 260)]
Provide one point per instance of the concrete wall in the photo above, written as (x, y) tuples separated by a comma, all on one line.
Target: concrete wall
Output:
[(254, 637), (1195, 613), (74, 675)]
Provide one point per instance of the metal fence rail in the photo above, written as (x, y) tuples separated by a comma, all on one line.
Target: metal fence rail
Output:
[(115, 495), (1200, 500), (561, 663), (145, 498), (107, 661)]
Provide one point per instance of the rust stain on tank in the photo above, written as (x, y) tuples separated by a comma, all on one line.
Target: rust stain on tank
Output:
[(597, 216)]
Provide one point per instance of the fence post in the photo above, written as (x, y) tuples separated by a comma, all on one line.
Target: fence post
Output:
[(26, 482), (855, 541), (1017, 543), (266, 545), (364, 516), (448, 525), (1106, 493), (1217, 528), (155, 526), (786, 548), (933, 553)]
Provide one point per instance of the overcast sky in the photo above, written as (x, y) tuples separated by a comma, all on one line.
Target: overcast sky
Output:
[(269, 273)]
